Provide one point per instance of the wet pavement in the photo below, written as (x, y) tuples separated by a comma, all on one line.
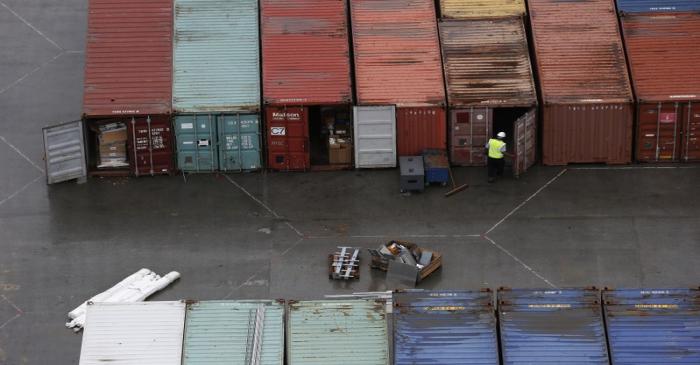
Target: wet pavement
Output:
[(267, 235)]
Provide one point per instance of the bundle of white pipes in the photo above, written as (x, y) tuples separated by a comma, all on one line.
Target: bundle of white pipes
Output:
[(135, 288)]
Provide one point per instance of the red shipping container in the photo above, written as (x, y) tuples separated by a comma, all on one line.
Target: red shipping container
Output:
[(418, 129), (288, 138), (397, 53), (128, 58), (151, 145), (306, 52)]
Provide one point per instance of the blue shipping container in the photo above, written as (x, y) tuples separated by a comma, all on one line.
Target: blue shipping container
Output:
[(196, 142), (239, 142), (657, 6), (653, 326), (552, 327), (445, 327)]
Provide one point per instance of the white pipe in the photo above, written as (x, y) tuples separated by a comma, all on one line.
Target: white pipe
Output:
[(109, 292)]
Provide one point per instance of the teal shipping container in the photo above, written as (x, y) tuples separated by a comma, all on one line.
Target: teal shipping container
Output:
[(234, 332), (337, 332), (196, 143), (216, 56), (238, 142)]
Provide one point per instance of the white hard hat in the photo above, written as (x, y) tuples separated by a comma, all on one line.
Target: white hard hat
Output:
[(501, 135)]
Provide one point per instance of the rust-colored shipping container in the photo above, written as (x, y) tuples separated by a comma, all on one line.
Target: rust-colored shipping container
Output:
[(397, 53), (128, 58), (584, 83), (420, 128), (288, 138), (664, 51), (306, 52)]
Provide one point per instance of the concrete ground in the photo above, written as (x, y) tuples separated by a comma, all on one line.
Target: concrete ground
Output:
[(266, 235)]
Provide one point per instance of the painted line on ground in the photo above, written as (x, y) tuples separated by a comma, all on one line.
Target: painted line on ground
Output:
[(635, 167), (525, 201), (13, 305), (260, 202), (2, 138), (240, 286), (292, 247), (397, 236), (526, 266), (16, 82), (23, 188), (30, 25)]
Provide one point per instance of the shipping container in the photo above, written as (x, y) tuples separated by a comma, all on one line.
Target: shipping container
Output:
[(128, 58), (306, 68), (663, 52), (462, 9), (420, 128), (337, 331), (64, 152), (490, 89), (397, 53), (653, 326), (234, 332), (375, 136), (552, 326), (196, 142), (657, 6), (216, 56), (584, 85), (133, 333), (445, 327)]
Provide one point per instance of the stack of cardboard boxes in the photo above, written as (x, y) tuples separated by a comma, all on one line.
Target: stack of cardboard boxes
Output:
[(112, 139), (340, 145)]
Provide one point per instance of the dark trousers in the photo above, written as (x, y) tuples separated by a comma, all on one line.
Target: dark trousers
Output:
[(495, 166)]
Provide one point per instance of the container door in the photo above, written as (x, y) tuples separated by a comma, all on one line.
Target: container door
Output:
[(288, 138), (470, 129), (658, 131), (239, 142), (64, 152), (196, 141), (691, 132), (151, 145), (375, 136), (525, 138)]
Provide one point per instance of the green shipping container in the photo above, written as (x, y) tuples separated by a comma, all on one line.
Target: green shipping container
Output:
[(239, 142), (234, 332), (196, 142)]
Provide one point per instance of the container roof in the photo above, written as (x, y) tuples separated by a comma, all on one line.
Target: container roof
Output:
[(397, 53), (657, 6), (460, 9), (216, 56), (128, 59), (487, 63), (663, 52), (579, 52), (306, 52)]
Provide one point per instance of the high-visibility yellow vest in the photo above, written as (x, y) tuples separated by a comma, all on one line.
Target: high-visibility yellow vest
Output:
[(495, 146)]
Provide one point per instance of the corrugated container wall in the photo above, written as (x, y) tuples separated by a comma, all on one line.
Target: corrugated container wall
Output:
[(306, 52), (133, 333), (445, 327), (461, 9), (552, 326), (583, 81), (397, 53), (418, 129), (337, 331), (216, 56), (487, 63), (653, 326), (128, 58), (657, 6), (234, 332)]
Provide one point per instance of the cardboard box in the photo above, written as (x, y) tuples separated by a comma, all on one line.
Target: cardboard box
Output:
[(112, 148), (110, 136), (340, 154)]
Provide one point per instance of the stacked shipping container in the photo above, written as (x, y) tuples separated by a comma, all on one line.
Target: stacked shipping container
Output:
[(583, 81), (662, 48), (216, 88), (490, 84), (397, 63), (128, 87), (307, 87)]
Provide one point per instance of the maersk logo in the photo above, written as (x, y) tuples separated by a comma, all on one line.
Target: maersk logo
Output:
[(285, 115)]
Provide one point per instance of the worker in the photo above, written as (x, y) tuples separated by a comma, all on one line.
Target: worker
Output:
[(496, 149)]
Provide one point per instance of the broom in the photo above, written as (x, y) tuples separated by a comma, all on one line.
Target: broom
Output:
[(455, 189)]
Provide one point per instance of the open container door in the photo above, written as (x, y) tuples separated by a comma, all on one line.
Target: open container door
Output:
[(525, 137), (64, 152), (375, 136)]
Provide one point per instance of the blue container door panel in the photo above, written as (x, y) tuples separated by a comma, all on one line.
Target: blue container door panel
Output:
[(239, 142), (196, 143)]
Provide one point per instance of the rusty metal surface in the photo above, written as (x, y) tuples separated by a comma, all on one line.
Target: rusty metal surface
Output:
[(579, 53), (418, 129), (397, 53), (668, 132), (587, 133), (663, 52), (128, 58), (653, 326), (306, 52), (552, 326), (487, 63), (481, 8)]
